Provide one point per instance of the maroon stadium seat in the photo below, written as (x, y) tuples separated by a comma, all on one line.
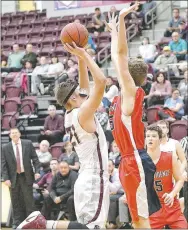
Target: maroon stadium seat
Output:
[(179, 129), (12, 104), (16, 20), (22, 39), (95, 38), (34, 38), (104, 37), (24, 29), (32, 102), (12, 30), (5, 21), (41, 15), (46, 48), (82, 18), (12, 91), (56, 150), (9, 120), (48, 36), (151, 114), (10, 78)]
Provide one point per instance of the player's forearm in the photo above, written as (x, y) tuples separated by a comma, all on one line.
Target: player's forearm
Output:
[(122, 37), (97, 74), (178, 186), (83, 75)]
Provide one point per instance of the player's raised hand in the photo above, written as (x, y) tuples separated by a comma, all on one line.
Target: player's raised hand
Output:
[(113, 22), (74, 49), (124, 12), (168, 199)]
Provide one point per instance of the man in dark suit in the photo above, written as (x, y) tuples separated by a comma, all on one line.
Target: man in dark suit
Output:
[(17, 172)]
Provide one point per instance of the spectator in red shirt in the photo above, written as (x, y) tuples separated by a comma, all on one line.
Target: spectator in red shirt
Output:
[(53, 127)]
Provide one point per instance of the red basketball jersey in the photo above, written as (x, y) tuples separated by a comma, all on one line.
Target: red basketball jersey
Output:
[(128, 131), (163, 175)]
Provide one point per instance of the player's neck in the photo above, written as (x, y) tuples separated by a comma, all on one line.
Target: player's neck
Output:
[(154, 154), (164, 140)]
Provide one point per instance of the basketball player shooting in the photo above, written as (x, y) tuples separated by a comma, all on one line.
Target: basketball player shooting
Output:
[(91, 193), (136, 168), (167, 168)]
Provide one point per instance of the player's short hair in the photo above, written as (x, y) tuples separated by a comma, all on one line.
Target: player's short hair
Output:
[(54, 159), (156, 129), (138, 70), (163, 122), (64, 91)]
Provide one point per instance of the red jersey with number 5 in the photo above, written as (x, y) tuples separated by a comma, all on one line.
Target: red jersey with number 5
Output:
[(163, 175)]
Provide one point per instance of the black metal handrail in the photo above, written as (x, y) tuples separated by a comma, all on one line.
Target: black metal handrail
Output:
[(10, 119)]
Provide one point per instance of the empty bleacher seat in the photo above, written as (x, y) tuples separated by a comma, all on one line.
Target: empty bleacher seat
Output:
[(11, 104), (9, 120), (12, 91), (29, 105), (179, 129)]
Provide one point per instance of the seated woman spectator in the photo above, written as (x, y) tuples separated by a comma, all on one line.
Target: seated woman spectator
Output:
[(183, 88), (161, 89), (70, 157), (173, 107), (72, 70), (110, 92), (56, 67), (148, 51), (115, 155)]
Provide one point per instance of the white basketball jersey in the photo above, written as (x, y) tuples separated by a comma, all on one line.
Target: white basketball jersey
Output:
[(169, 146), (91, 191)]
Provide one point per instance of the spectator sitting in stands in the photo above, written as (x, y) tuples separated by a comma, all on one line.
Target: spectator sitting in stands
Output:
[(166, 58), (183, 30), (36, 75), (4, 59), (54, 70), (61, 192), (113, 10), (183, 88), (175, 105), (102, 116), (146, 86), (135, 14), (178, 46), (72, 70), (70, 157), (115, 155), (173, 25), (147, 6), (116, 192), (148, 51), (124, 215), (53, 127), (29, 56), (14, 60), (110, 92), (28, 67), (161, 89), (45, 182), (98, 25), (44, 155)]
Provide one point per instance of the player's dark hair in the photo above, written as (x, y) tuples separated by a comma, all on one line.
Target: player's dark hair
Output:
[(63, 161), (64, 91), (97, 9), (138, 70), (155, 128)]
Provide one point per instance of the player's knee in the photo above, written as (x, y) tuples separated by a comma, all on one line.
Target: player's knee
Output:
[(142, 223)]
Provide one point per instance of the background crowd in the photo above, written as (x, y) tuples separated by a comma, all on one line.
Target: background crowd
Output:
[(53, 187)]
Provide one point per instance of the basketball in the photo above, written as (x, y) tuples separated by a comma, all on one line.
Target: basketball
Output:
[(74, 32)]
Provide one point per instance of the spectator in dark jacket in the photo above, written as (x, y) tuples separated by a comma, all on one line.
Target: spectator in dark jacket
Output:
[(29, 56), (53, 127), (61, 192)]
